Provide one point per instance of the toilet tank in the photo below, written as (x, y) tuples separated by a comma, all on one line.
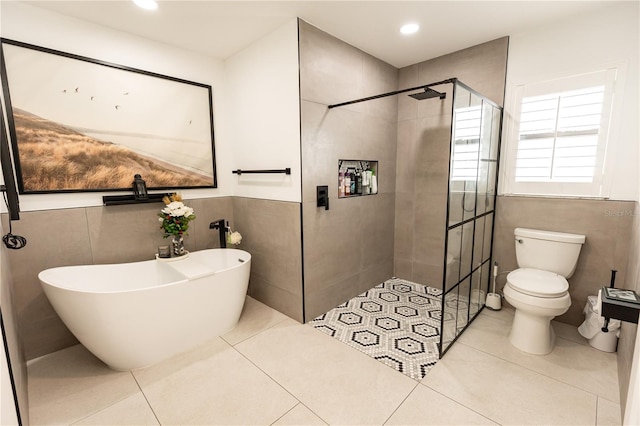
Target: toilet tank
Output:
[(547, 250)]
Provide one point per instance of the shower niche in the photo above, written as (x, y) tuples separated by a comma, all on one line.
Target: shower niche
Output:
[(357, 178)]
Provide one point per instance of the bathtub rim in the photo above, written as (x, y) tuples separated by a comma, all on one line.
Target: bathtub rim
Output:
[(246, 259)]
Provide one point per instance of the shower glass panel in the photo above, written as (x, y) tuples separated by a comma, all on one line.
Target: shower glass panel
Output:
[(449, 317), (477, 242), (488, 235), (475, 142), (467, 249), (476, 301), (464, 293), (454, 253)]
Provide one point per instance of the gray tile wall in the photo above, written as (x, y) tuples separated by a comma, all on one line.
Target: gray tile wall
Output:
[(10, 323), (271, 233), (627, 340), (349, 248), (606, 225), (424, 133)]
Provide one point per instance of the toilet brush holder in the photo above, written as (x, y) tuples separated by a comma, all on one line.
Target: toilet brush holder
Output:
[(494, 301)]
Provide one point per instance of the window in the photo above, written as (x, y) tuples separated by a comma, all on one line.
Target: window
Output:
[(559, 142)]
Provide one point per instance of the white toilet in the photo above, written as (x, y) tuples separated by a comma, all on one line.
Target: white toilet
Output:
[(538, 290)]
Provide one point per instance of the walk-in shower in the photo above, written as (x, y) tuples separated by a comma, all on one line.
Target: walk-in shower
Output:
[(452, 160)]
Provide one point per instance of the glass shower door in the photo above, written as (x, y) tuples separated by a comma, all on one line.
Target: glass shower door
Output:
[(471, 203)]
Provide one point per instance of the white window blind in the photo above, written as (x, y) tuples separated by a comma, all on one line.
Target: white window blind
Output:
[(558, 138), (561, 136)]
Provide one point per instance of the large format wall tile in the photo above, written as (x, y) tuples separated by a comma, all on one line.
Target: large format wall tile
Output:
[(207, 210), (423, 141), (348, 248), (628, 331), (11, 333), (271, 233), (54, 238), (127, 233), (482, 67), (327, 68)]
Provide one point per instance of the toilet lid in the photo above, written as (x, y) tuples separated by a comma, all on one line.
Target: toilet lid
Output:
[(536, 282)]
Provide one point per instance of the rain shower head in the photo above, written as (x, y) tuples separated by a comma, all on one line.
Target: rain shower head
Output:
[(428, 94)]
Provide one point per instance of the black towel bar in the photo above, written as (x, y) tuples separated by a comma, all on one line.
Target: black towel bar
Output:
[(286, 171)]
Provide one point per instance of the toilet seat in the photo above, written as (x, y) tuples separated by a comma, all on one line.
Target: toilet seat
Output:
[(538, 283)]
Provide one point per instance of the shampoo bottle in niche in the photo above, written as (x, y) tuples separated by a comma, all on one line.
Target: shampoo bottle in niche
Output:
[(341, 184), (358, 183), (374, 183), (347, 184), (366, 188), (353, 183)]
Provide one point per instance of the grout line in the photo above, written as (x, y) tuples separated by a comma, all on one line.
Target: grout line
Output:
[(460, 404), (531, 370), (145, 397), (297, 405), (401, 402), (268, 375), (256, 334), (285, 413)]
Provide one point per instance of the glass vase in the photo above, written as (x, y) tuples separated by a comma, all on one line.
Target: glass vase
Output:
[(177, 243)]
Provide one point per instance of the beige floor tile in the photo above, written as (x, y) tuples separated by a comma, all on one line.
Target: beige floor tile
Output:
[(338, 383), (71, 384), (507, 393), (609, 413), (504, 314), (569, 332), (579, 365), (256, 317), (298, 416), (133, 410), (213, 384), (427, 407)]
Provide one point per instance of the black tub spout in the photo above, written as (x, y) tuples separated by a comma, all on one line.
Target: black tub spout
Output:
[(221, 225)]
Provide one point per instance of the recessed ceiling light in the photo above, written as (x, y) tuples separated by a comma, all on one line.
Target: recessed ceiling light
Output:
[(146, 4), (409, 28)]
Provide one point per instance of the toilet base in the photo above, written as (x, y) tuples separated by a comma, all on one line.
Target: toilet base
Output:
[(532, 333)]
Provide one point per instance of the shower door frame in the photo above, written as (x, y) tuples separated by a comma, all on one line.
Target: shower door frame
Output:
[(484, 283)]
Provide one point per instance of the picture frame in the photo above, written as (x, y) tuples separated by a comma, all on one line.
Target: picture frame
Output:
[(79, 124)]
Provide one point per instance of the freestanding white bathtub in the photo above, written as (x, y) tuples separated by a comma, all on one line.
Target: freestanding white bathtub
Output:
[(133, 315)]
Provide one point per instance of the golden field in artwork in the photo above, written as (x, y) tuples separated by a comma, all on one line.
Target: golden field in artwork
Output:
[(54, 157)]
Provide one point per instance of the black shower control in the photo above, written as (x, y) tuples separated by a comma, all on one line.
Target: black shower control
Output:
[(322, 193)]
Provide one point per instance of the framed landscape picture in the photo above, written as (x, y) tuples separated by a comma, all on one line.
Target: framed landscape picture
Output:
[(79, 124)]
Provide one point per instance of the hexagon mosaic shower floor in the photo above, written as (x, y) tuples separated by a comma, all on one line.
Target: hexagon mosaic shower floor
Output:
[(397, 322)]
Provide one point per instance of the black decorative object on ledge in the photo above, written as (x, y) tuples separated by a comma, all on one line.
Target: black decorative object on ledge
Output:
[(114, 200), (239, 172), (140, 188)]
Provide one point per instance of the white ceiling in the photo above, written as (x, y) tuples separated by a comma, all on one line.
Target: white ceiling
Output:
[(222, 28)]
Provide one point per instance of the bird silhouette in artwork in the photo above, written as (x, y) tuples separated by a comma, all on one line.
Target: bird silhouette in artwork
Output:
[(77, 90), (117, 106), (125, 93), (64, 90), (190, 121), (92, 97)]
